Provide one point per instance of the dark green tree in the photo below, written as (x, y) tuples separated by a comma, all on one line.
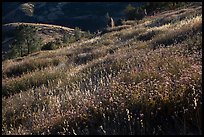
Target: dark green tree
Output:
[(27, 39), (49, 46), (77, 33), (13, 52), (134, 13), (130, 12), (65, 38), (162, 6)]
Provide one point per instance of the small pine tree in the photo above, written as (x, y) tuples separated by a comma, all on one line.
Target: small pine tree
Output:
[(77, 33), (65, 38), (27, 39), (88, 34), (13, 52)]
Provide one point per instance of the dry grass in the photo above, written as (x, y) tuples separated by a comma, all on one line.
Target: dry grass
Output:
[(25, 66), (111, 85)]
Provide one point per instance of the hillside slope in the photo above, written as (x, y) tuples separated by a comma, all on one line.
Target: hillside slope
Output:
[(46, 32), (140, 78)]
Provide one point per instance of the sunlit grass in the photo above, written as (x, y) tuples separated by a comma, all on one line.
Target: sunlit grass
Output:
[(29, 65), (114, 85)]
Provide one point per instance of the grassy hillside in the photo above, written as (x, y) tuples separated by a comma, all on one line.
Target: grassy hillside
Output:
[(140, 78), (46, 33)]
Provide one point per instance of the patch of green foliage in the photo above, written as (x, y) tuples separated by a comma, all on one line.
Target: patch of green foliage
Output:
[(138, 13), (132, 13), (26, 42), (49, 46)]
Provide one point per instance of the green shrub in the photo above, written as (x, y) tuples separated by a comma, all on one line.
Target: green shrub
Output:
[(88, 34), (132, 13), (152, 7), (129, 12), (58, 42), (68, 39), (77, 33), (48, 46), (65, 39)]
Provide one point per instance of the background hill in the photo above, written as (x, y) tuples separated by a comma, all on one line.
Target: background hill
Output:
[(85, 15), (46, 32), (88, 16)]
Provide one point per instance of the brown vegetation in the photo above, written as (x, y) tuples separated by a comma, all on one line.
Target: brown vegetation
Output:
[(137, 79)]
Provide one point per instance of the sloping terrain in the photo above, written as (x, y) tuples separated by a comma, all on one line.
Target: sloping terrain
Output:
[(140, 78), (46, 32)]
